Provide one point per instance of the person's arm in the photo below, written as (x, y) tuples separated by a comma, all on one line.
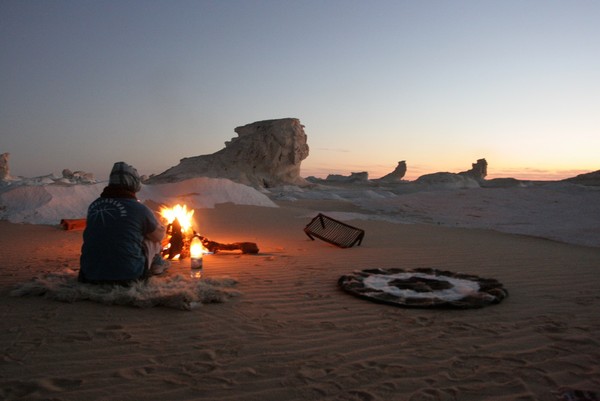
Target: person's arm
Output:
[(158, 234)]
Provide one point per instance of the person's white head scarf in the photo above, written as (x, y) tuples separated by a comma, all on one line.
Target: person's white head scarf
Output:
[(125, 176)]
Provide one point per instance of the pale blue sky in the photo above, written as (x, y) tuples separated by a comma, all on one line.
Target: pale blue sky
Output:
[(436, 83)]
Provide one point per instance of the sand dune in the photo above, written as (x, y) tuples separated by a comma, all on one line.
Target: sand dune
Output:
[(293, 335)]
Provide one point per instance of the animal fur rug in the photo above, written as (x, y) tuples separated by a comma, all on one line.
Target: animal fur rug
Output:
[(175, 291)]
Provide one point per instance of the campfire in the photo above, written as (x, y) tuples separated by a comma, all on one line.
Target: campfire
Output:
[(176, 244), (180, 232)]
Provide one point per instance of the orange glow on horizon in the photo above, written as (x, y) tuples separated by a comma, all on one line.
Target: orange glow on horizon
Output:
[(414, 172)]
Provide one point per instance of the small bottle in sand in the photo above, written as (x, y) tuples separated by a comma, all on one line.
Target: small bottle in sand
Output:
[(196, 258)]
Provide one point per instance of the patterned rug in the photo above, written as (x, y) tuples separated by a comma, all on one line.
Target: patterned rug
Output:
[(423, 288), (178, 291)]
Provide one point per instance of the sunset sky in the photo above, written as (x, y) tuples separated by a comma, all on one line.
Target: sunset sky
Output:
[(439, 84)]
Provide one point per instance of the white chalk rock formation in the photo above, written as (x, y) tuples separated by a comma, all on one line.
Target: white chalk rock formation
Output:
[(396, 175), (448, 180), (4, 168), (265, 154), (78, 177), (478, 170), (465, 179), (50, 203)]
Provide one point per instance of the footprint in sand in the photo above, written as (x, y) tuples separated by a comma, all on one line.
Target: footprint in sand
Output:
[(113, 332), (197, 368), (60, 384), (360, 396), (22, 388), (78, 336), (426, 395), (133, 373)]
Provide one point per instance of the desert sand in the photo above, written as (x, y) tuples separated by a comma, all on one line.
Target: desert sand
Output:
[(292, 334)]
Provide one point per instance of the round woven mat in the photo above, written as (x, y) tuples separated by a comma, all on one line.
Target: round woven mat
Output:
[(423, 288)]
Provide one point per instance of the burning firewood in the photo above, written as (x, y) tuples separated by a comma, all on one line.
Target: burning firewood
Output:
[(178, 247), (176, 244), (215, 247), (176, 241)]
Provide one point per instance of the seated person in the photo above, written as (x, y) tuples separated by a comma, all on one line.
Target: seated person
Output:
[(122, 238)]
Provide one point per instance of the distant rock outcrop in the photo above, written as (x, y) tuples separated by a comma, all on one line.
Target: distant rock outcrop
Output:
[(465, 179), (78, 177), (4, 168), (448, 180), (504, 183), (478, 170), (362, 176), (396, 175), (590, 179), (265, 154), (68, 177)]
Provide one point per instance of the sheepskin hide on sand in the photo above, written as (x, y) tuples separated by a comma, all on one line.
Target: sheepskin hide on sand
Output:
[(177, 291)]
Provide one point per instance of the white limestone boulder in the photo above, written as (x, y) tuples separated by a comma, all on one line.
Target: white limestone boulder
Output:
[(265, 154)]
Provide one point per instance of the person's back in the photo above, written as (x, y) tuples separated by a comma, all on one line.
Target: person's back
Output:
[(115, 240)]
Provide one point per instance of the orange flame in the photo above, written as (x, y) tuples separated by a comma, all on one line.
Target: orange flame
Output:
[(185, 219), (180, 213)]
